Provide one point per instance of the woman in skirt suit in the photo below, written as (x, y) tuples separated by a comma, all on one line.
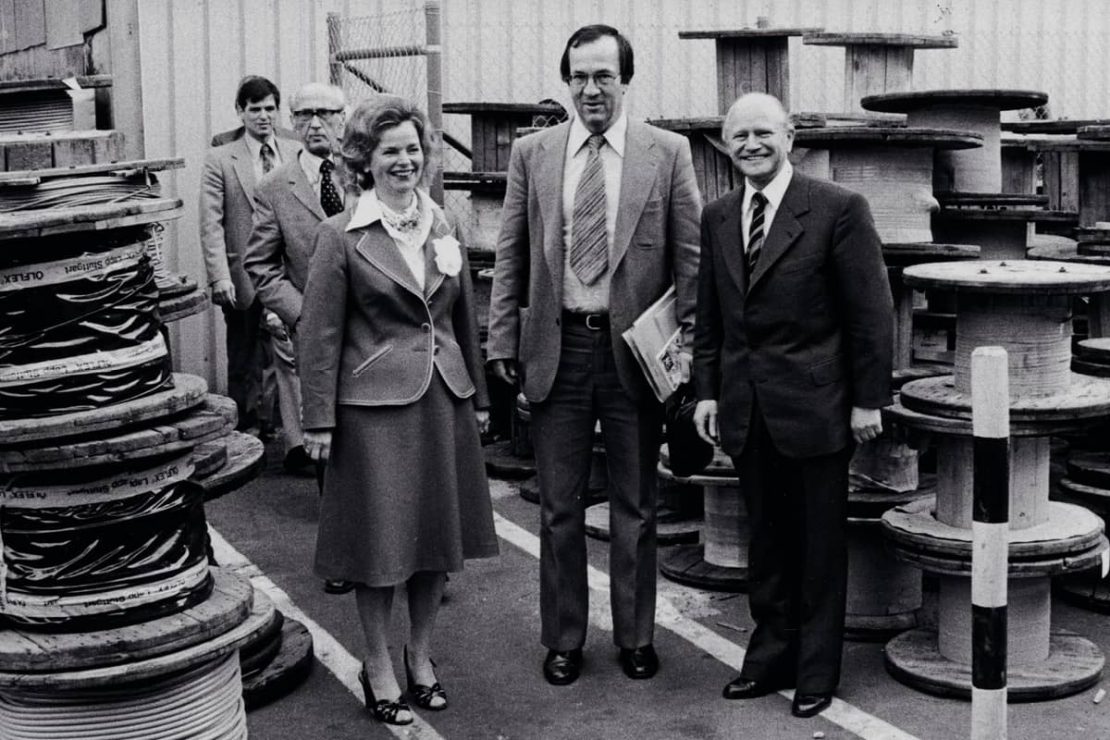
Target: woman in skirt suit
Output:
[(394, 399)]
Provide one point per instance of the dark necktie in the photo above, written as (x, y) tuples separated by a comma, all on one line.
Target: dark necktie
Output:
[(266, 152), (329, 196), (589, 245), (755, 231)]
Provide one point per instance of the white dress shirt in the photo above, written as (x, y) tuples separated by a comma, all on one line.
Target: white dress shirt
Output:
[(774, 193), (255, 147), (577, 296)]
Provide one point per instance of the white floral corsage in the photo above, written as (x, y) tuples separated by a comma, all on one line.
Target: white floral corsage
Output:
[(448, 255)]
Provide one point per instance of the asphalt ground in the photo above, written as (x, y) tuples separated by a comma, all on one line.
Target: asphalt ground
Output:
[(489, 656)]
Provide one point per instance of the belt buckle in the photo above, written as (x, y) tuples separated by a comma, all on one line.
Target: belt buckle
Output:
[(590, 317)]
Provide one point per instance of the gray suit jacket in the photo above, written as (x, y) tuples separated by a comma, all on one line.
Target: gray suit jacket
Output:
[(655, 245), (369, 336), (226, 212), (286, 215)]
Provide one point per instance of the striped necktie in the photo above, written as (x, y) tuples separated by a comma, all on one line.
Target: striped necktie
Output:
[(755, 231), (589, 246), (266, 154)]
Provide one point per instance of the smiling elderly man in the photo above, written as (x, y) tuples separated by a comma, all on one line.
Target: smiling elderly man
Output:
[(792, 362)]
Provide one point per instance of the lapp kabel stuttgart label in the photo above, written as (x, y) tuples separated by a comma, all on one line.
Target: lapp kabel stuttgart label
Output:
[(94, 362), (68, 270), (121, 485)]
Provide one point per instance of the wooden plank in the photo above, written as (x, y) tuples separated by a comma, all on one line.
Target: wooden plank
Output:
[(7, 26), (63, 25), (1069, 181), (74, 152), (29, 156), (150, 165), (778, 69), (727, 52), (90, 15), (30, 24)]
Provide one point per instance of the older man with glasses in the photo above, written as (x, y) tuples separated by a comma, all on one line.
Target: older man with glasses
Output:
[(290, 203)]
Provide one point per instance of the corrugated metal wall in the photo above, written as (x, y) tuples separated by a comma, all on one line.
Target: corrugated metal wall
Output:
[(195, 51)]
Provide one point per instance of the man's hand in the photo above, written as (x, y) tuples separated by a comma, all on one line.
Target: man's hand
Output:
[(274, 325), (223, 293), (705, 421), (505, 371), (482, 415), (866, 424), (318, 445)]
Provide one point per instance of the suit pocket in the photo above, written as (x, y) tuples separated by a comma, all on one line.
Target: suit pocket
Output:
[(369, 361), (826, 372)]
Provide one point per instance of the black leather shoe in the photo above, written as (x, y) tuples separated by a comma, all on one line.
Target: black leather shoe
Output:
[(562, 667), (298, 462), (746, 688), (807, 705), (338, 586), (641, 662)]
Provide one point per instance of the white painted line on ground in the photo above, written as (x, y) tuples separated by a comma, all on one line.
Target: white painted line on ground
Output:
[(667, 616), (328, 650)]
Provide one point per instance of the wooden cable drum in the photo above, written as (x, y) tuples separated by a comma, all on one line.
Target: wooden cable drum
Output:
[(91, 547), (892, 166), (203, 702), (79, 332), (898, 187), (978, 170), (38, 111)]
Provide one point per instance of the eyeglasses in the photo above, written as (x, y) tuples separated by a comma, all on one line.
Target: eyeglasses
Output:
[(307, 114), (603, 80)]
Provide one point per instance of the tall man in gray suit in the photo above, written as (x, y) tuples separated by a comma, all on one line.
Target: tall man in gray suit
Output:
[(600, 219), (792, 362), (290, 203), (226, 211)]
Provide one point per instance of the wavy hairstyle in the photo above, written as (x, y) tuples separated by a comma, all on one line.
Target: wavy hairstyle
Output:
[(364, 130)]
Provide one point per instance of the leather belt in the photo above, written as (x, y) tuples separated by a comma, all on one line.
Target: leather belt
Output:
[(592, 321)]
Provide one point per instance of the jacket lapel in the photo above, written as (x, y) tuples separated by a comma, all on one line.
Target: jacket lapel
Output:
[(637, 176), (244, 167), (380, 250), (288, 149), (303, 191), (785, 229), (549, 186), (730, 239)]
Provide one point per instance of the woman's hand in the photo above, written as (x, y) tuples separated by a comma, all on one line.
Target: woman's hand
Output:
[(482, 416), (318, 445)]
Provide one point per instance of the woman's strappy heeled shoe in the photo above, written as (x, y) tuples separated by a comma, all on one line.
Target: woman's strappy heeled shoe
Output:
[(383, 710), (423, 696)]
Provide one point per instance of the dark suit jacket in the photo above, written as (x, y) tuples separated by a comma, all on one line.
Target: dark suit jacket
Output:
[(226, 212), (655, 246), (287, 213), (809, 334), (368, 336)]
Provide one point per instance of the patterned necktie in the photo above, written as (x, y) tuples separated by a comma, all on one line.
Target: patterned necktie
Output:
[(266, 153), (329, 196), (755, 231), (589, 245)]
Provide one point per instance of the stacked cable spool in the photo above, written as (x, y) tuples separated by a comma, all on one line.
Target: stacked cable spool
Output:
[(50, 104), (114, 622), (1024, 307)]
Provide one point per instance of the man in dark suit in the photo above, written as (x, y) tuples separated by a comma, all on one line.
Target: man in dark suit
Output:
[(290, 203), (792, 362), (226, 211), (600, 219)]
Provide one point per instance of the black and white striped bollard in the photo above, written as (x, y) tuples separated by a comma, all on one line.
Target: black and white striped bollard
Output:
[(990, 413)]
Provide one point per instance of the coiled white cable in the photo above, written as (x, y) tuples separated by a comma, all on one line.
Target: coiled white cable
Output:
[(202, 703)]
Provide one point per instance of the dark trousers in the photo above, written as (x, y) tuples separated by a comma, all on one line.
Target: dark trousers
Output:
[(798, 563), (587, 389), (245, 360)]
